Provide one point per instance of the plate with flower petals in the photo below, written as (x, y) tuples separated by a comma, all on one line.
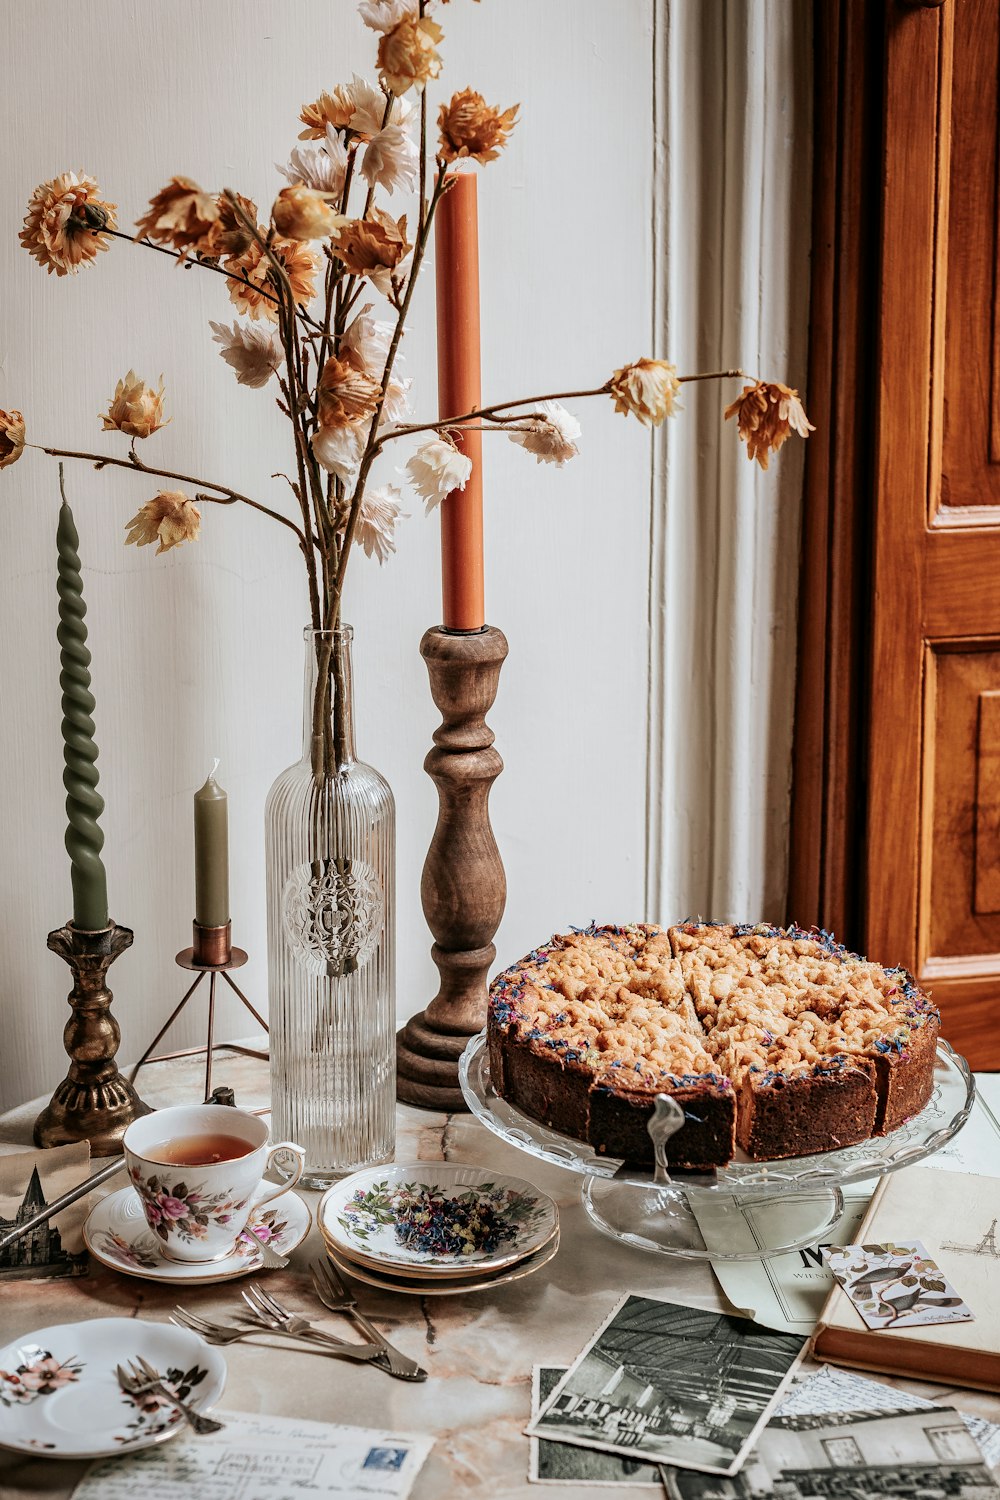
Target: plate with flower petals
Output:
[(437, 1217), (59, 1391), (116, 1234)]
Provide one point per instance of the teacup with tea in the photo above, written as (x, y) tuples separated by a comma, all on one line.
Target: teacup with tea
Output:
[(196, 1168)]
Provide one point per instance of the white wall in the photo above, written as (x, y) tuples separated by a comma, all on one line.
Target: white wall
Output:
[(198, 653)]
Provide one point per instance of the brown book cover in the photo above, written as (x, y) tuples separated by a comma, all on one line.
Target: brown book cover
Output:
[(956, 1216)]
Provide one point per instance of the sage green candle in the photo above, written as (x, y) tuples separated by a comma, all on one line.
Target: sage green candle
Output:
[(84, 837), (211, 854)]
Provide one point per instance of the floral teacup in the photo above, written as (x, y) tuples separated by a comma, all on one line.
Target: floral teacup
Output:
[(198, 1212)]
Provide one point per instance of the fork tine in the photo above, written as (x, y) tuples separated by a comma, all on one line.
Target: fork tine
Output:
[(192, 1320), (271, 1303), (329, 1276), (125, 1381), (247, 1293), (147, 1369)]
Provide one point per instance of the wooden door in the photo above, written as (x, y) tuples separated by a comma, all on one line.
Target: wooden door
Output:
[(932, 842)]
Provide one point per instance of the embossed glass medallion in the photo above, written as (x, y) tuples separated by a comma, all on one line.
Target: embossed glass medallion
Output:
[(332, 912)]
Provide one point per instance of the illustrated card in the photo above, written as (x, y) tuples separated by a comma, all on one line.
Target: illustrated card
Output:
[(896, 1285), (29, 1182)]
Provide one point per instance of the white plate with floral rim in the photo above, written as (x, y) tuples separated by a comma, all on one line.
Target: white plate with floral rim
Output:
[(436, 1217), (444, 1285), (59, 1391), (116, 1234)]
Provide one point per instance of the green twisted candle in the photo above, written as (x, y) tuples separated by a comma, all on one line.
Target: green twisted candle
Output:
[(84, 838)]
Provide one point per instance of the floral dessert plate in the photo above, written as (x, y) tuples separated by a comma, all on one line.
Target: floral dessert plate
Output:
[(444, 1285), (116, 1234), (436, 1218), (59, 1391)]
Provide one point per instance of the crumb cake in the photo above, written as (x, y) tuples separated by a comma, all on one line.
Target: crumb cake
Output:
[(773, 1039)]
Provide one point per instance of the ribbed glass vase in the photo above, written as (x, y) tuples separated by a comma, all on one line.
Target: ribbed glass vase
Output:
[(330, 831)]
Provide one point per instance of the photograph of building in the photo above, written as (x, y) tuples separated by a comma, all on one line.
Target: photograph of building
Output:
[(40, 1251), (672, 1384)]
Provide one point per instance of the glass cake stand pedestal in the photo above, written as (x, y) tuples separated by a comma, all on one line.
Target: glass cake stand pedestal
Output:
[(793, 1203)]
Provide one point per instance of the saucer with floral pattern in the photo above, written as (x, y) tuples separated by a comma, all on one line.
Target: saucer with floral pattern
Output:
[(59, 1391), (116, 1234)]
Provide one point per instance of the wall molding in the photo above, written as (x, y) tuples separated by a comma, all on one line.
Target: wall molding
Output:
[(733, 154)]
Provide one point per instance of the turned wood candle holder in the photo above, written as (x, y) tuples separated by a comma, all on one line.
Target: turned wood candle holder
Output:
[(94, 1102), (463, 889)]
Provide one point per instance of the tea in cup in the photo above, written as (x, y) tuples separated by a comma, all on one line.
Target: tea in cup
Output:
[(196, 1168)]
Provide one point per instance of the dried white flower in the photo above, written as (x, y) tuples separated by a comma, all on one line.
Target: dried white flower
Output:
[(391, 159), (552, 438), (436, 469), (253, 351), (322, 167), (366, 342), (396, 406), (339, 450), (383, 15), (380, 510)]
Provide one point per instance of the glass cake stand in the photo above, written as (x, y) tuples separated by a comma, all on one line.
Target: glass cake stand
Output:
[(792, 1203)]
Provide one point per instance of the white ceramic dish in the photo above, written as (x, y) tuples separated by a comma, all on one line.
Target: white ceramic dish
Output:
[(445, 1286), (59, 1391), (360, 1217), (116, 1234)]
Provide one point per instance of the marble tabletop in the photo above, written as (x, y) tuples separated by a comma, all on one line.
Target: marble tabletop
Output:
[(478, 1349)]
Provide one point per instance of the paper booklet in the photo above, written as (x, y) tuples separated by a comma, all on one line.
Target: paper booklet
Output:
[(956, 1216), (256, 1457), (788, 1291)]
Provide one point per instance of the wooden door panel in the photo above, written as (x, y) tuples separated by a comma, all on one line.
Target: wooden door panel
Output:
[(960, 915), (970, 475)]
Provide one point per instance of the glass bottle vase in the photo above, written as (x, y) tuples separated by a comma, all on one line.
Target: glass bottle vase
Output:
[(330, 835)]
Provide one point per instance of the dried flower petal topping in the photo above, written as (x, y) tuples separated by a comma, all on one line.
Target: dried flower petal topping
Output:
[(179, 215), (64, 223), (250, 283), (300, 213), (552, 436), (767, 413), (346, 394), (253, 352), (380, 510), (136, 408), (437, 469), (170, 518), (471, 127), (647, 389), (408, 56), (11, 438)]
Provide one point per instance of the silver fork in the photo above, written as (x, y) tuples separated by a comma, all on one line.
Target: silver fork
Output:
[(337, 1296), (265, 1306), (143, 1380), (225, 1333)]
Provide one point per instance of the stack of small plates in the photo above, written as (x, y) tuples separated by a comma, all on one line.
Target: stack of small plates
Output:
[(434, 1229)]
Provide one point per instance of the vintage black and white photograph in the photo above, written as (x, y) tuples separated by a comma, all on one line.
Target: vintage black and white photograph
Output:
[(29, 1182), (561, 1463), (856, 1455), (675, 1385)]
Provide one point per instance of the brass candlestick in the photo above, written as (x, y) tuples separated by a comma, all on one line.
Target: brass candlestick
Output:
[(463, 888), (211, 953), (94, 1102)]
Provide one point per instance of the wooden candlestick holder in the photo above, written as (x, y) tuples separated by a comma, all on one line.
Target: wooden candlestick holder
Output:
[(463, 889), (94, 1102)]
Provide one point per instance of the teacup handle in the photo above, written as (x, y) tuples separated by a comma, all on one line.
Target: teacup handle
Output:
[(296, 1158)]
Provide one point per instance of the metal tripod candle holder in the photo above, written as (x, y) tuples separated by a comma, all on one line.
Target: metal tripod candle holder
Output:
[(211, 953)]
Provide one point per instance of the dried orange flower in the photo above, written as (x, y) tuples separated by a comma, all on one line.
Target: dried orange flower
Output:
[(169, 518), (303, 214), (64, 222), (251, 288), (228, 235), (11, 438), (471, 127), (375, 243), (135, 407), (407, 55), (766, 413), (179, 215), (346, 394), (648, 389), (333, 109)]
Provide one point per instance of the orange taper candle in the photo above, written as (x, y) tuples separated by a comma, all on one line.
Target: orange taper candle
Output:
[(456, 236)]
